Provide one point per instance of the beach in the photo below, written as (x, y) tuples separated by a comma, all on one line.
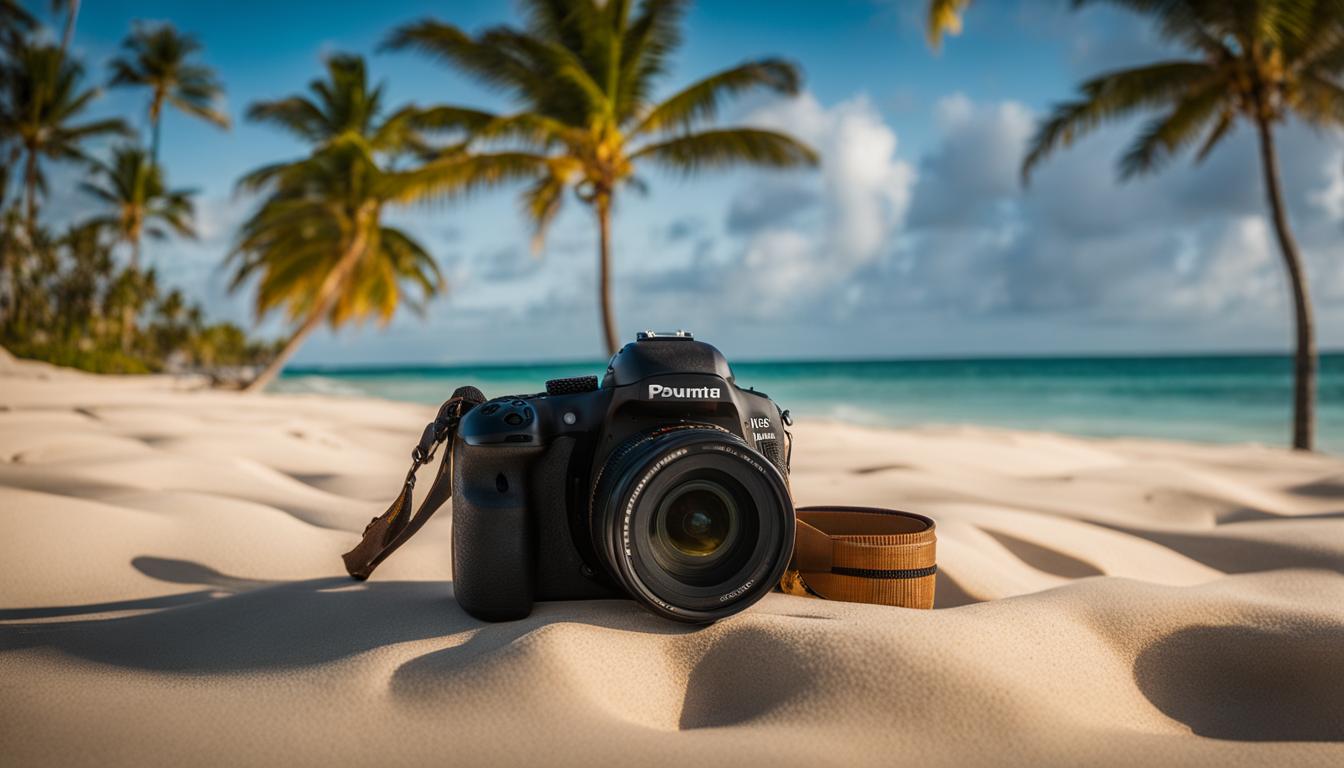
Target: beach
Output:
[(171, 592)]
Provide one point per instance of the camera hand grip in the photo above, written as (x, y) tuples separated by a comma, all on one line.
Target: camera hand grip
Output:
[(494, 544)]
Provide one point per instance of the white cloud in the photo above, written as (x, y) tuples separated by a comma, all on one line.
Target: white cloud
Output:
[(976, 164), (865, 192), (866, 183), (1330, 197)]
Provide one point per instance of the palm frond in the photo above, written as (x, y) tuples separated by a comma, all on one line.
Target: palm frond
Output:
[(1167, 134), (1113, 96), (14, 19), (701, 101), (462, 175), (294, 114), (205, 110), (944, 18), (1319, 100), (649, 39), (482, 60), (726, 148), (451, 118), (1192, 24), (542, 201), (1215, 135)]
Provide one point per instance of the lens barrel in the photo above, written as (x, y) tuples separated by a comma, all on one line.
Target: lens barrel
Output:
[(691, 521)]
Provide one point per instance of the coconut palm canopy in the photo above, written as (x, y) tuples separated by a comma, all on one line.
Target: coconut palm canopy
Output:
[(582, 75), (316, 246), (1257, 61), (42, 102), (138, 200), (303, 229), (158, 57)]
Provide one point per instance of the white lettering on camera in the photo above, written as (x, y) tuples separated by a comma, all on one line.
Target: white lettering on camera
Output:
[(737, 592), (701, 393)]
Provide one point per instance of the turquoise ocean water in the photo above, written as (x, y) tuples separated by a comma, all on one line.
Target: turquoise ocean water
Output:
[(1213, 398)]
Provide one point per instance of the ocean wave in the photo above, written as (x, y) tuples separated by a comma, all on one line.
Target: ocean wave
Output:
[(317, 385)]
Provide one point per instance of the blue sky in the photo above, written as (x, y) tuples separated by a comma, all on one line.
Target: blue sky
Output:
[(912, 239)]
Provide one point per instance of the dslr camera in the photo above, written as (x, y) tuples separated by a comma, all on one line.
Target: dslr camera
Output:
[(664, 483)]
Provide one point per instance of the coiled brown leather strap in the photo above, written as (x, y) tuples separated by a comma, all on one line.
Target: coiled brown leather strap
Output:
[(863, 555)]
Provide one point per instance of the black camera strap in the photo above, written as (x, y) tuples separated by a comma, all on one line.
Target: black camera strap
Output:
[(385, 533)]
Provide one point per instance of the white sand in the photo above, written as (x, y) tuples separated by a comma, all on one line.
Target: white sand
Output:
[(171, 593)]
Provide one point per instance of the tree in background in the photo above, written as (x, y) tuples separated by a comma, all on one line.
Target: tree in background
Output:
[(42, 101), (582, 73), (138, 201), (138, 204), (317, 246), (1259, 61), (63, 297), (158, 57)]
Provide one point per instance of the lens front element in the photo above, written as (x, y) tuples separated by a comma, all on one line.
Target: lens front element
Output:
[(698, 518)]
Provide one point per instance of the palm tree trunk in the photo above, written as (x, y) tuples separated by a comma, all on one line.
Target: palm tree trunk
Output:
[(327, 294), (127, 314), (1304, 367), (603, 203), (155, 119), (30, 189), (69, 33)]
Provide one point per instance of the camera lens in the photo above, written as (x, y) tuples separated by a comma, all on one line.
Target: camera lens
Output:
[(697, 518), (692, 522)]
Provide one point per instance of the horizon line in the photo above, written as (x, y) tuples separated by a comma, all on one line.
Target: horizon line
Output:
[(598, 362)]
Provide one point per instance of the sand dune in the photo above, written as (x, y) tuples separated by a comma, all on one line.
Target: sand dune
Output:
[(171, 592)]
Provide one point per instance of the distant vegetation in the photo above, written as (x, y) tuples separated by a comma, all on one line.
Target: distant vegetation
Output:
[(79, 294)]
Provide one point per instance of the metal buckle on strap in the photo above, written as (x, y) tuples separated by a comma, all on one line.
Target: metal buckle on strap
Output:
[(424, 450)]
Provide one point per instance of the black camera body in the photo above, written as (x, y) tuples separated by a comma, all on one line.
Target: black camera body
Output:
[(665, 483)]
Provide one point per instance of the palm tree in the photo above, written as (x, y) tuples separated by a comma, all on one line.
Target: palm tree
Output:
[(139, 204), (582, 73), (944, 18), (41, 100), (158, 58), (1258, 61), (139, 201), (15, 22), (317, 246)]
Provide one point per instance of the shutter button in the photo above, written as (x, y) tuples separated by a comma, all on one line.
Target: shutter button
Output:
[(513, 419)]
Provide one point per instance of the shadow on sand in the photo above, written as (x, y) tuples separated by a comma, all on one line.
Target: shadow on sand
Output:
[(237, 625), (1249, 684), (240, 625)]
